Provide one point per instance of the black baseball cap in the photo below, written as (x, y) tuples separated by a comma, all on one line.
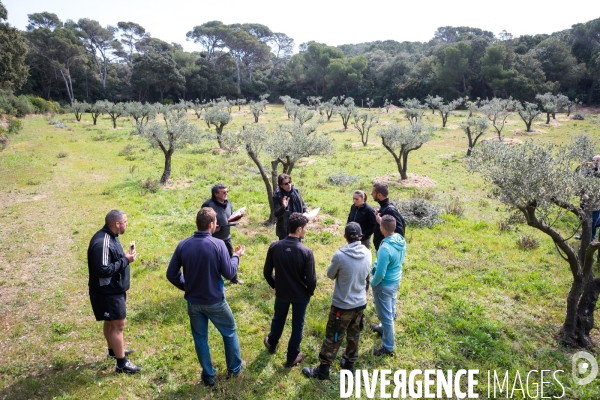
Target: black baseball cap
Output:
[(353, 231)]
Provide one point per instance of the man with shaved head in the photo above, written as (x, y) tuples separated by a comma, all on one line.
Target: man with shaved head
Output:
[(108, 267)]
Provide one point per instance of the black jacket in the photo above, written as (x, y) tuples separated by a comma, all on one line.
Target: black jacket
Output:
[(294, 267), (108, 268), (365, 217), (283, 214), (386, 207), (223, 211)]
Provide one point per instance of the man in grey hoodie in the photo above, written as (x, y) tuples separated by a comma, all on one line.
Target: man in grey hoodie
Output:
[(349, 267)]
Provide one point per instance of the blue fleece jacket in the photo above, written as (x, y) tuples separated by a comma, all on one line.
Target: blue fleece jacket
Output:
[(204, 260), (388, 264)]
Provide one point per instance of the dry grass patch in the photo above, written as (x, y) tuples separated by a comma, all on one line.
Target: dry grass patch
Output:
[(507, 141), (414, 180), (525, 133)]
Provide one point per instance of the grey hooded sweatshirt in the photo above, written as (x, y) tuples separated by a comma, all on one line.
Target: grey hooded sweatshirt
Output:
[(350, 267)]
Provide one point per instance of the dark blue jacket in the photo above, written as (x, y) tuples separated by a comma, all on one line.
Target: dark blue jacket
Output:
[(204, 260), (365, 217), (108, 268)]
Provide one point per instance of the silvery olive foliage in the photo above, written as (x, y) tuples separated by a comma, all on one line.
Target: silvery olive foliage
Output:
[(497, 110), (413, 109), (446, 109), (434, 102), (474, 128), (346, 110), (257, 108), (171, 134), (546, 183), (552, 104), (401, 140), (528, 112), (79, 108), (219, 115), (363, 122)]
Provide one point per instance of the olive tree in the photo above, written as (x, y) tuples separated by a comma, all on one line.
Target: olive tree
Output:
[(329, 108), (345, 110), (257, 108), (219, 115), (413, 109), (96, 109), (401, 140), (474, 128), (114, 110), (540, 181), (284, 146), (79, 108), (434, 102), (446, 109), (497, 110), (528, 113), (173, 133), (363, 122)]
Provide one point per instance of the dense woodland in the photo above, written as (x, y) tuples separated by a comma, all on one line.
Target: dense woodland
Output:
[(89, 61)]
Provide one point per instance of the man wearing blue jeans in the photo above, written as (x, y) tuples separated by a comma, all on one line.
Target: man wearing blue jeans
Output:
[(385, 282), (205, 260), (294, 282)]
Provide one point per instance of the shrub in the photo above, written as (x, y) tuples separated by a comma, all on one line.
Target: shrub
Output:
[(57, 123), (15, 125), (23, 106), (527, 242), (62, 154), (455, 207), (503, 226), (342, 179), (3, 140), (40, 105), (127, 150), (419, 212), (151, 185), (578, 117)]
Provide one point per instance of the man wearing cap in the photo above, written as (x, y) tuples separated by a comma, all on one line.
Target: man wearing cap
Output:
[(349, 268)]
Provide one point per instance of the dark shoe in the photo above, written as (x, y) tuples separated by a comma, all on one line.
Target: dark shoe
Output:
[(345, 364), (377, 328), (128, 368), (237, 281), (382, 351), (239, 373), (318, 372), (127, 352), (271, 349), (297, 361), (206, 383)]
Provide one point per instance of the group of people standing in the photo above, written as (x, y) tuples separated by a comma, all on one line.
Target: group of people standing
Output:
[(200, 262)]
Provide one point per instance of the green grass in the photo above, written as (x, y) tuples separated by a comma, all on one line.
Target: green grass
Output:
[(469, 297)]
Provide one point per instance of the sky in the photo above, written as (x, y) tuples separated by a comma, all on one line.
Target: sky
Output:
[(331, 22)]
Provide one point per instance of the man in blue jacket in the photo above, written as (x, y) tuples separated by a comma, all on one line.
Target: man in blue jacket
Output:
[(204, 260), (385, 282), (108, 267)]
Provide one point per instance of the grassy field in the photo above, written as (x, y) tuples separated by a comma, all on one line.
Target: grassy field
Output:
[(470, 298)]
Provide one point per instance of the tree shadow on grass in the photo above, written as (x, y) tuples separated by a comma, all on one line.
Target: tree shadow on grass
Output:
[(53, 383)]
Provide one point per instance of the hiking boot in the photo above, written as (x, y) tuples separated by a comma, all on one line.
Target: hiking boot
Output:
[(270, 348), (320, 372), (239, 373), (377, 328), (127, 352), (345, 364), (382, 351), (128, 368), (297, 361)]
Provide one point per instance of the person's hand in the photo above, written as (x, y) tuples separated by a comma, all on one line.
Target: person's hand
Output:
[(239, 250), (285, 201), (378, 217), (131, 255)]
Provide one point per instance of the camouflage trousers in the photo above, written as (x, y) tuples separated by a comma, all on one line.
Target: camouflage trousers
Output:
[(350, 324)]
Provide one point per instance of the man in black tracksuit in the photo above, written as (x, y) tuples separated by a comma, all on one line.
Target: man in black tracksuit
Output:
[(224, 209), (294, 282), (380, 193), (108, 267)]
